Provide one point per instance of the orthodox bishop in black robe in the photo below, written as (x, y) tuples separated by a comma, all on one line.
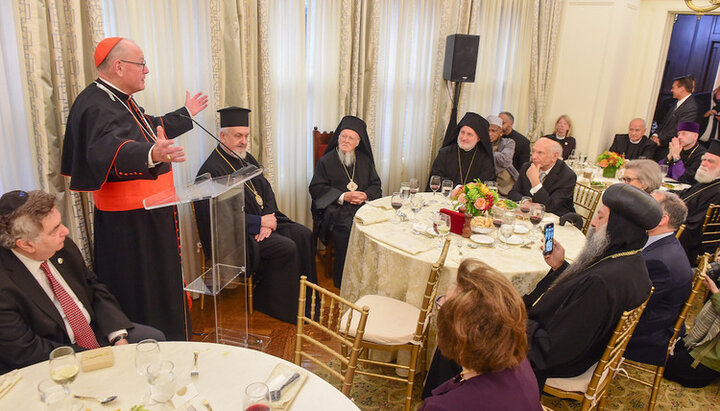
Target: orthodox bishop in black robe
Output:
[(463, 162), (137, 251), (643, 148), (277, 260), (335, 181)]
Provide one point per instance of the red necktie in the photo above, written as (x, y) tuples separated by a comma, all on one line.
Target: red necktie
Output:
[(84, 335)]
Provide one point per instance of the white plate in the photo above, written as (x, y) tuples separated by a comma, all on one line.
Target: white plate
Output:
[(482, 230), (482, 239), (521, 229), (431, 232), (513, 240)]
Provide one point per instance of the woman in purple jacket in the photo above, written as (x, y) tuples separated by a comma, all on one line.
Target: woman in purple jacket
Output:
[(481, 326)]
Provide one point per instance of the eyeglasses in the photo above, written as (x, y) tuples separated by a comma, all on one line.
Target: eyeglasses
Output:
[(142, 65), (348, 138), (439, 301), (627, 180)]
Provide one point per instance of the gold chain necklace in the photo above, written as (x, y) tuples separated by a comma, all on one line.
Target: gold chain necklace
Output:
[(352, 185), (469, 167), (250, 186)]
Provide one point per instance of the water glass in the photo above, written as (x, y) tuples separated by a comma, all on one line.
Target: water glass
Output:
[(447, 186), (162, 381), (507, 228), (491, 185), (664, 169), (416, 205), (55, 397), (405, 190), (147, 353), (257, 397)]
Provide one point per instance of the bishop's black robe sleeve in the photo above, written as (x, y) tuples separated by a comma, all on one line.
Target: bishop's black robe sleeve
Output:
[(374, 190), (322, 192), (543, 285), (437, 169), (616, 146), (572, 329)]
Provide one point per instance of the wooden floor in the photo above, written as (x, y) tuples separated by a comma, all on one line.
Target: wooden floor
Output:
[(232, 305)]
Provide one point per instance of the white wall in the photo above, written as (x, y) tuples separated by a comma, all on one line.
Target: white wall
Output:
[(609, 62)]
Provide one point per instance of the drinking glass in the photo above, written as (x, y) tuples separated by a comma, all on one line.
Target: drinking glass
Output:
[(664, 169), (443, 227), (435, 185), (256, 397), (507, 228), (405, 190), (447, 186), (162, 381), (55, 398), (416, 204), (525, 204), (537, 212), (414, 186), (147, 353), (64, 366), (491, 185), (396, 202)]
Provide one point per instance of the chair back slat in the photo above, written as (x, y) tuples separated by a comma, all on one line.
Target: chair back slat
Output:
[(711, 225), (430, 291), (697, 285), (586, 200), (680, 231)]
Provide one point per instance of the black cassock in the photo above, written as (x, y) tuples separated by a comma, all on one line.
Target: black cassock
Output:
[(279, 260), (329, 181), (697, 199), (645, 148), (105, 150), (446, 164)]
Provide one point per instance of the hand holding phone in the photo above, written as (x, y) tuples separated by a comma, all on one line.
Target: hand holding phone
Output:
[(549, 238)]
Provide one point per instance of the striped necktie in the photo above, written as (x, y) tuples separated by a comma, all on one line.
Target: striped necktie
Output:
[(542, 176), (84, 335)]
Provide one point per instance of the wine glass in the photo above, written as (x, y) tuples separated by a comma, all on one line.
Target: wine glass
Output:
[(405, 190), (507, 228), (435, 185), (447, 186), (537, 212), (415, 205), (257, 397), (525, 204), (147, 353), (497, 215), (443, 226), (664, 169), (396, 202), (414, 186), (64, 366)]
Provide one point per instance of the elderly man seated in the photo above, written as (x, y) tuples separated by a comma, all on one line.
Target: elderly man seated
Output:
[(547, 179), (685, 153), (503, 150), (671, 275), (575, 308), (697, 199), (466, 153), (49, 296), (634, 144)]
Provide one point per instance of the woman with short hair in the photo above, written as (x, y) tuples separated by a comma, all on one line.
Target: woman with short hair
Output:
[(643, 174), (481, 326)]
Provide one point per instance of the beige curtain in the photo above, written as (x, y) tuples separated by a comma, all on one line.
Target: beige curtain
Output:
[(546, 20), (58, 38)]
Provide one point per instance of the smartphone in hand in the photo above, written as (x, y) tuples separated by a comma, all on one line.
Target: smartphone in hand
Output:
[(549, 236)]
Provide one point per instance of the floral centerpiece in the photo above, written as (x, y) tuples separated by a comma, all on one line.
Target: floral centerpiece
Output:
[(610, 161), (475, 196)]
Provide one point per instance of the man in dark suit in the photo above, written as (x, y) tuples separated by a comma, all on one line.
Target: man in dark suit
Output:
[(547, 179), (685, 110), (671, 275), (634, 144), (48, 297), (522, 144)]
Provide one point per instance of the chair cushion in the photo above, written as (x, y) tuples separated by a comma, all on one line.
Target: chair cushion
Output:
[(578, 383), (390, 322)]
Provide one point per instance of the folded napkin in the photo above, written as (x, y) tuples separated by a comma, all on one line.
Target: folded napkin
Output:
[(383, 203), (291, 391), (403, 241), (7, 381), (371, 215)]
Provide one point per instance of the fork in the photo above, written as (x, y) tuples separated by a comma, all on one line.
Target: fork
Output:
[(195, 371)]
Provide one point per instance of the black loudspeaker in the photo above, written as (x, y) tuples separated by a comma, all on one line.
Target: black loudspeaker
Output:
[(461, 51)]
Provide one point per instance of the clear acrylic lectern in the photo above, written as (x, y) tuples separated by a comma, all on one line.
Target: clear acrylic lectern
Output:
[(219, 210)]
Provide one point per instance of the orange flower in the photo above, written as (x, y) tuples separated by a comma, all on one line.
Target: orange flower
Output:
[(603, 163), (480, 203)]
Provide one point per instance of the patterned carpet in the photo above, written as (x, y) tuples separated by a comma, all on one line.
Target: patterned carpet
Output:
[(376, 394)]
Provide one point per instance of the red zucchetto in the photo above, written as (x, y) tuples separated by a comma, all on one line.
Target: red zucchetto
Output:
[(103, 49)]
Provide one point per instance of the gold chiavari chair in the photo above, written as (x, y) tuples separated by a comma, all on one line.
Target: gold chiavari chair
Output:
[(680, 231), (594, 395), (326, 312), (697, 284), (711, 226), (395, 325), (586, 200)]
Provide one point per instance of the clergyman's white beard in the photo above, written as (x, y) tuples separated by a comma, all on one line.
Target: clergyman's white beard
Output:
[(466, 147), (347, 159), (703, 175), (596, 244)]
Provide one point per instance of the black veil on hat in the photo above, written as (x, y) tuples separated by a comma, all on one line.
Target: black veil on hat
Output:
[(714, 147), (632, 213), (477, 123), (357, 125)]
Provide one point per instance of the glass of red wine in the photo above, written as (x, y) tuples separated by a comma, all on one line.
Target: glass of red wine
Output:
[(414, 186), (537, 212), (525, 204), (257, 397), (497, 215), (435, 184), (397, 202)]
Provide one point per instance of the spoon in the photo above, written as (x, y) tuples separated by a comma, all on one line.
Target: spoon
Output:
[(101, 401)]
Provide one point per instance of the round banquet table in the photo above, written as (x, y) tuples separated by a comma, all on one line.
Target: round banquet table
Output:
[(225, 371), (376, 264)]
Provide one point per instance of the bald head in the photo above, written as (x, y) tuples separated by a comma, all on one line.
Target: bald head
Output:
[(636, 129), (545, 153)]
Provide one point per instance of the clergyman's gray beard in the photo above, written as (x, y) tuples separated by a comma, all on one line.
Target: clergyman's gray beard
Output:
[(703, 176), (347, 159), (467, 147), (597, 243)]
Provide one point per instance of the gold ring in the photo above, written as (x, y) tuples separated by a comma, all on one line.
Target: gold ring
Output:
[(169, 158)]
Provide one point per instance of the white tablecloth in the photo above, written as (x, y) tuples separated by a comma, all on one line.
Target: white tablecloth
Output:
[(225, 371), (374, 266)]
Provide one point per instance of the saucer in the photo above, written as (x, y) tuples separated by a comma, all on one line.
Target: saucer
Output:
[(482, 239), (521, 229), (513, 240)]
